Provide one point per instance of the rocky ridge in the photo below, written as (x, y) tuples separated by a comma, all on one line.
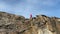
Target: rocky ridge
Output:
[(41, 24)]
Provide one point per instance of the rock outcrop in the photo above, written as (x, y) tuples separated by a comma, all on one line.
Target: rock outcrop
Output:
[(41, 24)]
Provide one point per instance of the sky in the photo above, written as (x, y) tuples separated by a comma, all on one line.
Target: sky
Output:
[(34, 7)]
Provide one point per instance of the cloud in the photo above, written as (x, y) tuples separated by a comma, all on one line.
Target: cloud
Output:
[(25, 7), (11, 1)]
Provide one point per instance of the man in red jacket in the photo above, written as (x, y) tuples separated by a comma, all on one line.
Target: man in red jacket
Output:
[(30, 15)]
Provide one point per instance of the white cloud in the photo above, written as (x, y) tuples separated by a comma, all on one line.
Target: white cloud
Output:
[(29, 6)]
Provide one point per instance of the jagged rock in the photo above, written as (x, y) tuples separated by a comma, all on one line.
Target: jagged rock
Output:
[(41, 24)]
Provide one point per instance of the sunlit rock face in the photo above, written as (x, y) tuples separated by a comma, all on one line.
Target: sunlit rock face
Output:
[(41, 24), (11, 23), (47, 25)]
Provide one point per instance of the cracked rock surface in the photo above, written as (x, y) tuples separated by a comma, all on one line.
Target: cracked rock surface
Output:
[(41, 24)]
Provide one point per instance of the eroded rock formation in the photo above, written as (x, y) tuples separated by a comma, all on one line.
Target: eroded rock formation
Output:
[(41, 24)]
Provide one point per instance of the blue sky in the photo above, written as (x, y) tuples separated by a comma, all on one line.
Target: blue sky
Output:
[(25, 7)]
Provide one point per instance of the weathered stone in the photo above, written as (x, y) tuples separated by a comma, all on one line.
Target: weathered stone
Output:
[(41, 24)]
